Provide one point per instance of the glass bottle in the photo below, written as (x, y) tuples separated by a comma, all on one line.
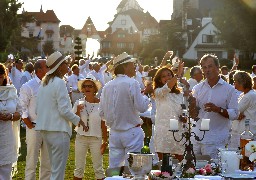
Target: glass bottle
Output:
[(245, 137), (145, 149), (166, 163)]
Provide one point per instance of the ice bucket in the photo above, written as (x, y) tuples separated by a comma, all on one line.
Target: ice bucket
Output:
[(230, 157), (140, 164)]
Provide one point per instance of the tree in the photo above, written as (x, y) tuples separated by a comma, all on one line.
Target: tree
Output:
[(78, 48), (236, 22), (48, 47), (8, 21)]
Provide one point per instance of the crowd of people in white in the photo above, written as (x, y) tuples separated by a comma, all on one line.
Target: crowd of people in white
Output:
[(105, 101)]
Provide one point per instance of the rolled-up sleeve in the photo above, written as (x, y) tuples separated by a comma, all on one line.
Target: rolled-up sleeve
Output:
[(232, 109), (141, 102)]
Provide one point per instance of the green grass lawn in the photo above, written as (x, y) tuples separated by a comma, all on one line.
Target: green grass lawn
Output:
[(89, 173)]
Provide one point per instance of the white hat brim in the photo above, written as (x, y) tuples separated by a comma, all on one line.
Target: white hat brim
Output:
[(96, 82), (56, 67)]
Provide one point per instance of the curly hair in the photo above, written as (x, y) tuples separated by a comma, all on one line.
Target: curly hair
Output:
[(3, 72), (157, 80)]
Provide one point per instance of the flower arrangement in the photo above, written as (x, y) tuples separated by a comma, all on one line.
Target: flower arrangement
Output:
[(190, 173), (251, 148), (209, 170), (158, 175)]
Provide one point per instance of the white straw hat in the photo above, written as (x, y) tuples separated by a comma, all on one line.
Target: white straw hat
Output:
[(121, 59), (54, 61), (90, 77)]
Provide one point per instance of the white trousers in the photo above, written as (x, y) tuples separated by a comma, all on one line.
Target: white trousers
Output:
[(6, 172), (122, 142), (82, 145), (36, 145), (58, 144)]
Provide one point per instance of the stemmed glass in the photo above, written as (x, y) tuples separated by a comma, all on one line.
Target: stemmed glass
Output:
[(177, 170)]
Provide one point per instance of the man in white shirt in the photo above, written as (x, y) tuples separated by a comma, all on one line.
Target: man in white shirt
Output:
[(84, 67), (196, 76), (72, 83), (217, 101), (120, 104), (27, 74), (34, 140), (16, 74)]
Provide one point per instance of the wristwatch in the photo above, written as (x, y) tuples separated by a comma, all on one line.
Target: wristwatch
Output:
[(221, 110)]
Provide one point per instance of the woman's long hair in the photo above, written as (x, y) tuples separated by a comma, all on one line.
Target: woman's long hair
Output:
[(3, 72), (49, 77), (158, 84)]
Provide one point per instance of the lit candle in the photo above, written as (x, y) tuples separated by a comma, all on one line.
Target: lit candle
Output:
[(205, 124), (174, 125)]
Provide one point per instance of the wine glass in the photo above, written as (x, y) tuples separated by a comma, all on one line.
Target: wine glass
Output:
[(178, 170)]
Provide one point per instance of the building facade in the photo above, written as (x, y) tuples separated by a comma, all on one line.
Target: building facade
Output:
[(45, 27)]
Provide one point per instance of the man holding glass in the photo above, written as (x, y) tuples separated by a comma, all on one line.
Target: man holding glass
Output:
[(216, 100)]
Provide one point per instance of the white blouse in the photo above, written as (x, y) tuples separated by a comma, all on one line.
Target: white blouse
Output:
[(94, 119), (8, 140), (168, 105)]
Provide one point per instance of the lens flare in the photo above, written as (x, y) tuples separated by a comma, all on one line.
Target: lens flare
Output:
[(250, 3), (92, 46)]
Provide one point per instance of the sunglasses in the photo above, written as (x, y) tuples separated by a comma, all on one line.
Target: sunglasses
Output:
[(87, 86)]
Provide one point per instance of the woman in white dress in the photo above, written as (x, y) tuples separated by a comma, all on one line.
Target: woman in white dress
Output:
[(168, 99), (95, 138), (9, 112), (246, 106)]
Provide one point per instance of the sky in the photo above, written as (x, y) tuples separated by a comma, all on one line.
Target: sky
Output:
[(76, 12)]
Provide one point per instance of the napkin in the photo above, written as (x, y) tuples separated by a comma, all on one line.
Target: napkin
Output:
[(208, 177)]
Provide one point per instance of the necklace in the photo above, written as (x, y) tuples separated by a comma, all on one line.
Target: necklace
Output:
[(88, 113)]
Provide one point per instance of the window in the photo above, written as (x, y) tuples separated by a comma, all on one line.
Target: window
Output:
[(131, 45), (121, 35), (30, 33), (123, 22), (208, 38), (106, 45), (121, 45), (49, 36)]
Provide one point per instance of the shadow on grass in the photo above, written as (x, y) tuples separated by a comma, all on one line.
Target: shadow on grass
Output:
[(89, 173)]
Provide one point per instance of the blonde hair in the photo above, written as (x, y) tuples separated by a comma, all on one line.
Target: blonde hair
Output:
[(46, 79)]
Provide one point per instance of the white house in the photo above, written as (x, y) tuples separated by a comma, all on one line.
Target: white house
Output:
[(45, 28), (206, 41)]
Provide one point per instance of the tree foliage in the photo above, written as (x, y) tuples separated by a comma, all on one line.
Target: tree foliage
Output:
[(8, 21), (48, 47), (237, 24), (78, 48)]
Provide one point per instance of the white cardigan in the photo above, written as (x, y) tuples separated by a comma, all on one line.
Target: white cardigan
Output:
[(54, 109)]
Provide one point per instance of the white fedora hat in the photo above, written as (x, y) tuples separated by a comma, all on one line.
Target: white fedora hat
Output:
[(121, 59), (90, 77), (54, 61)]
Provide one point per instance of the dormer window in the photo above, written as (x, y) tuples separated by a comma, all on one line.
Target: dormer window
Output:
[(208, 38)]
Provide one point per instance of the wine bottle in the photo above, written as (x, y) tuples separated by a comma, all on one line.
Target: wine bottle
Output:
[(145, 149), (245, 137), (166, 163)]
